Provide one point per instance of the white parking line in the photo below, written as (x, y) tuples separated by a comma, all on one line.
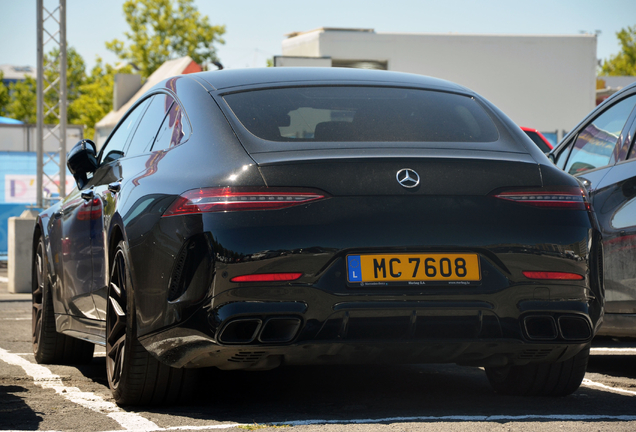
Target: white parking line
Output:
[(174, 428), (46, 379), (589, 383), (613, 351), (97, 354), (133, 422), (493, 418)]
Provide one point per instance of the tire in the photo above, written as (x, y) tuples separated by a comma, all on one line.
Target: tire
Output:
[(49, 346), (135, 377), (540, 379)]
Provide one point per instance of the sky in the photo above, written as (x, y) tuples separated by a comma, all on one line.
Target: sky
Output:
[(256, 28)]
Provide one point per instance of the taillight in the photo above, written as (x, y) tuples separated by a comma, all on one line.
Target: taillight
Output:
[(267, 277), (571, 198), (237, 199), (550, 275)]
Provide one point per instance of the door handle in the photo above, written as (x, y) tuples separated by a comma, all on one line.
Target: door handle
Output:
[(88, 194), (114, 187)]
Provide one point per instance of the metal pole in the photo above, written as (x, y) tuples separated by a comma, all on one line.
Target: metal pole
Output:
[(63, 98), (40, 109)]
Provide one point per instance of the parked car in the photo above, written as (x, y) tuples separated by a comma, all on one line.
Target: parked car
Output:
[(538, 138), (248, 219), (601, 153)]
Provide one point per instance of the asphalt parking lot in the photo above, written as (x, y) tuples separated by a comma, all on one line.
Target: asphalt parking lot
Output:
[(391, 398)]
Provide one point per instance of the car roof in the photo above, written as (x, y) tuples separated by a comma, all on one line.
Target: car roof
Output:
[(273, 76)]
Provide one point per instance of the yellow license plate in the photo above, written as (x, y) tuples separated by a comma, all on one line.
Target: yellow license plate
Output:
[(413, 267)]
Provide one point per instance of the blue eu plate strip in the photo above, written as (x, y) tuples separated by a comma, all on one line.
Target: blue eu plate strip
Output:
[(353, 266)]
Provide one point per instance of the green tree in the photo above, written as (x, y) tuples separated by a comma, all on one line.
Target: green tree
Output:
[(4, 95), (161, 30), (23, 102), (95, 97), (22, 105), (623, 63)]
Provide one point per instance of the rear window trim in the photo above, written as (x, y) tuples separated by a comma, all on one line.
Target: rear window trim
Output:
[(222, 94)]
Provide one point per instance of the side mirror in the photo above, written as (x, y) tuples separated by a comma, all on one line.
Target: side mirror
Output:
[(579, 167), (81, 160)]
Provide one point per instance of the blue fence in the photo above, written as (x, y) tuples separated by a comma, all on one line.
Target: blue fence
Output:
[(7, 211), (17, 191)]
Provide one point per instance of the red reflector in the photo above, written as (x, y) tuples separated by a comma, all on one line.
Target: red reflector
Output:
[(552, 275), (237, 199), (571, 198), (267, 277)]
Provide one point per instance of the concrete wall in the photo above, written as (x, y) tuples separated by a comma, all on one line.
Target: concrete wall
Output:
[(20, 249), (544, 82)]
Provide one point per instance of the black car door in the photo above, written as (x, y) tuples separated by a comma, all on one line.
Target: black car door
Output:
[(615, 205), (74, 252), (109, 171), (115, 184), (602, 155)]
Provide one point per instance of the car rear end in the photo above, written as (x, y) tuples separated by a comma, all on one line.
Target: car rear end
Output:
[(379, 241)]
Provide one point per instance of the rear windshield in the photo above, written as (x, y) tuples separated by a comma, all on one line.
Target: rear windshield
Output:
[(386, 114)]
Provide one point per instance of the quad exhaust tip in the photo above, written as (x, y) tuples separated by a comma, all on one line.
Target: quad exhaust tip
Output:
[(546, 327), (247, 330), (279, 330), (240, 331)]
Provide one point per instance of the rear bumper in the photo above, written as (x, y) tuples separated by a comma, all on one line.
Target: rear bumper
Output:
[(194, 315), (259, 334)]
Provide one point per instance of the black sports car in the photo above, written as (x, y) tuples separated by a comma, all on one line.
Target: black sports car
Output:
[(249, 219), (600, 151)]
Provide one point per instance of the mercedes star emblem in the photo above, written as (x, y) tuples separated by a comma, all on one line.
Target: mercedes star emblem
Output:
[(408, 178)]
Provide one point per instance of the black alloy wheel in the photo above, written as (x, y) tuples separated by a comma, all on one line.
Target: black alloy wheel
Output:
[(49, 346), (116, 322), (135, 377), (37, 290)]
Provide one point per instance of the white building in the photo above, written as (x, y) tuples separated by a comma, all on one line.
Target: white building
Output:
[(12, 73), (547, 82)]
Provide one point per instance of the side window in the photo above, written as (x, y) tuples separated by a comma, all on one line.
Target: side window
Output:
[(114, 148), (174, 130), (594, 145), (149, 124), (563, 156)]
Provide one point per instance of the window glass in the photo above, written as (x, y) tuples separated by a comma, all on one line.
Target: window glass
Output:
[(563, 156), (149, 124), (328, 114), (114, 148), (594, 145), (174, 130)]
